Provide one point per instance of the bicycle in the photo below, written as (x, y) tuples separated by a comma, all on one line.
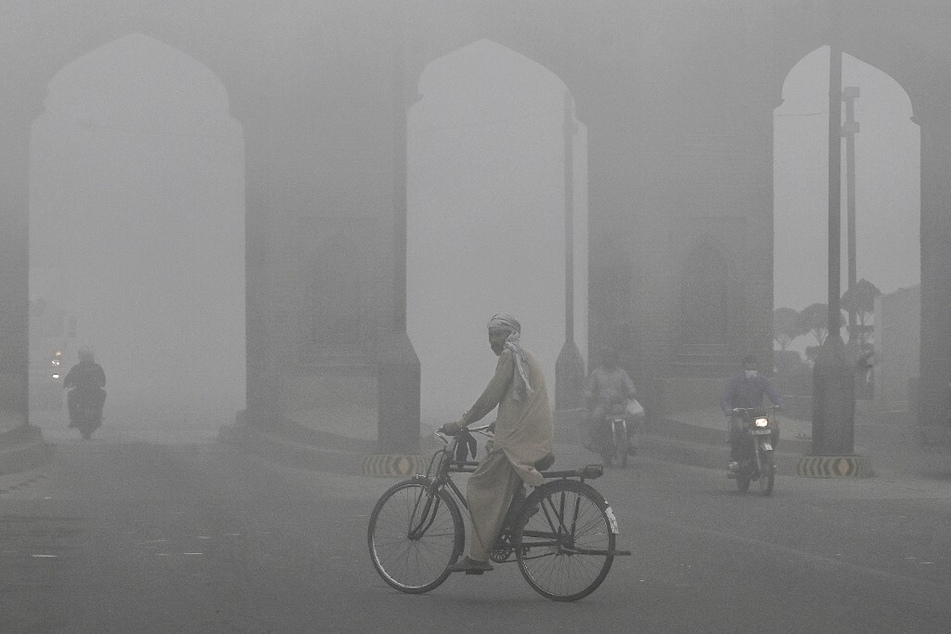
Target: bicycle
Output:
[(563, 534)]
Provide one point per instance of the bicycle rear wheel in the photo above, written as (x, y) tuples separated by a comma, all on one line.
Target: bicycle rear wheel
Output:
[(414, 535), (564, 540)]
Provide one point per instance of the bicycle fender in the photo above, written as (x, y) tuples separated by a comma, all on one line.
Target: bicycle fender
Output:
[(541, 491), (612, 520)]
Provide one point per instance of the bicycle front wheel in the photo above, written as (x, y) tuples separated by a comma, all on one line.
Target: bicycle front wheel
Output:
[(415, 534), (564, 540), (767, 473), (620, 443)]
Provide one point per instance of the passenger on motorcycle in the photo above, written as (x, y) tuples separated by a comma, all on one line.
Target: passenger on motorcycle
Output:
[(746, 390), (87, 377), (606, 393)]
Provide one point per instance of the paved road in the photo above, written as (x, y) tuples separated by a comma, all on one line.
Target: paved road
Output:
[(127, 536)]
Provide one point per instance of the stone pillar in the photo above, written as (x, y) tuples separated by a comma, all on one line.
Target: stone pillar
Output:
[(14, 265), (261, 139), (398, 385), (934, 407), (613, 209)]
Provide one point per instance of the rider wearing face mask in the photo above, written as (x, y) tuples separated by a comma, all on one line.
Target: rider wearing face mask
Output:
[(746, 390)]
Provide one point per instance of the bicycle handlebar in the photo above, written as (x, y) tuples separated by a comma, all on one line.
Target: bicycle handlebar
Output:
[(482, 429)]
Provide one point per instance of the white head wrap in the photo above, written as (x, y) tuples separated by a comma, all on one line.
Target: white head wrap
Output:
[(504, 321)]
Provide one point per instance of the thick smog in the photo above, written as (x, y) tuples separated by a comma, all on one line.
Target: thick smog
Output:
[(310, 307)]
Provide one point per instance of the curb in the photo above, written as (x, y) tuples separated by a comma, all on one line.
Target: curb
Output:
[(337, 455), (334, 454), (850, 466), (277, 448)]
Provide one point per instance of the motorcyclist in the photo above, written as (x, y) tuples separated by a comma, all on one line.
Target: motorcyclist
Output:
[(607, 390), (746, 390), (88, 379)]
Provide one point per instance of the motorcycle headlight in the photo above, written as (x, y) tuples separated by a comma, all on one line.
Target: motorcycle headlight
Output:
[(761, 422)]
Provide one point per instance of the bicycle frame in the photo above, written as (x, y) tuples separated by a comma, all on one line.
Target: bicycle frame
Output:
[(448, 464), (562, 518)]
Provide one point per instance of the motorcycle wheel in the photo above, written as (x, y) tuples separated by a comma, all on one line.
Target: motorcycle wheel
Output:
[(767, 473)]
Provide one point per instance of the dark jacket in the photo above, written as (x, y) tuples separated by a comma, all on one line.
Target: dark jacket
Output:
[(743, 392), (85, 375)]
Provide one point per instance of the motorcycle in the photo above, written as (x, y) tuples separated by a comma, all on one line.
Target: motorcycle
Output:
[(86, 415), (756, 463)]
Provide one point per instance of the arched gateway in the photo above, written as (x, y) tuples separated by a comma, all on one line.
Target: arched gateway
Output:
[(678, 106)]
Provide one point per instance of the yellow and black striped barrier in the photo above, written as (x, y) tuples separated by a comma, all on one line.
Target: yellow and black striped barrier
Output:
[(394, 465), (852, 466)]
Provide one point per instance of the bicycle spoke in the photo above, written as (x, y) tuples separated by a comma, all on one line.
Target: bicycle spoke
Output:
[(414, 536), (562, 550)]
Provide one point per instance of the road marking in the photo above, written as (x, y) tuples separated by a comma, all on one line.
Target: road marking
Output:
[(22, 484)]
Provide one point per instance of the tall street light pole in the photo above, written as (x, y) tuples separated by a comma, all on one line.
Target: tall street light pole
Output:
[(569, 368), (833, 383), (849, 130), (835, 189)]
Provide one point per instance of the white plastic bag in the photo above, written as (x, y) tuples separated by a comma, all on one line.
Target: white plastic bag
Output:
[(634, 409)]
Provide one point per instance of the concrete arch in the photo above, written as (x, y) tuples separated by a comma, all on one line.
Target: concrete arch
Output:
[(438, 33), (806, 121), (489, 216), (138, 194), (146, 69), (918, 63), (891, 253)]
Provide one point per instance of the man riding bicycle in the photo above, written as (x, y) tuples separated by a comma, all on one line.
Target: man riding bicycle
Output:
[(522, 439)]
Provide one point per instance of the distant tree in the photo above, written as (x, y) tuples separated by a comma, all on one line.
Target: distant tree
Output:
[(814, 319), (785, 326), (861, 299)]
